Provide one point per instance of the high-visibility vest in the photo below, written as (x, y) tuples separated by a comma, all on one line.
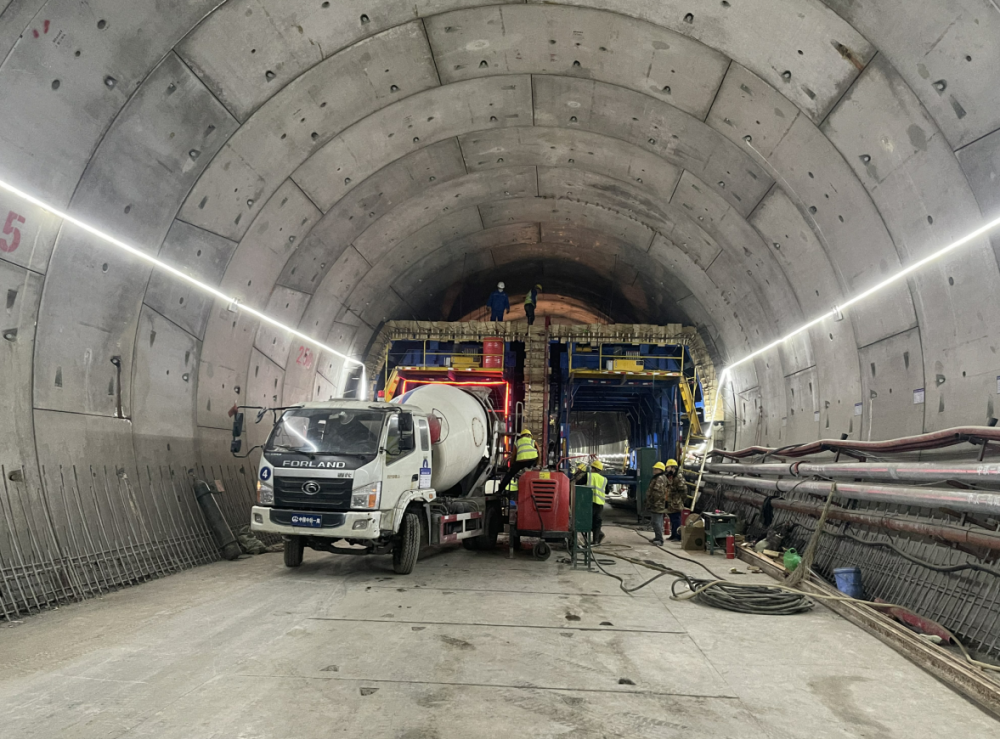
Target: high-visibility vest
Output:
[(597, 484), (530, 298), (525, 446)]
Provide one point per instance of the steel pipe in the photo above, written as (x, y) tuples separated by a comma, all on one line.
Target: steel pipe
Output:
[(973, 474), (955, 500), (945, 533), (933, 440)]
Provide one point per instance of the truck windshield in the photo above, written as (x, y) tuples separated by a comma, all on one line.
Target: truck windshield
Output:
[(327, 431)]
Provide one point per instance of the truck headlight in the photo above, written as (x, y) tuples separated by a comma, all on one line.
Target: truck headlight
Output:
[(265, 494), (366, 497)]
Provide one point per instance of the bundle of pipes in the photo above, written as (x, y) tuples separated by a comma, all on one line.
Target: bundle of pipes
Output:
[(934, 440), (865, 485)]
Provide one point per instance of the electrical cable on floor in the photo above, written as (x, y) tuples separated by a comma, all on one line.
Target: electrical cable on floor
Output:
[(773, 600)]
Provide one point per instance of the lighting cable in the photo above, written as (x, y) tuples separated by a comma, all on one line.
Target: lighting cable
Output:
[(233, 302)]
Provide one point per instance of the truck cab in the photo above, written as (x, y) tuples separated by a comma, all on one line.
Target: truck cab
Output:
[(356, 477)]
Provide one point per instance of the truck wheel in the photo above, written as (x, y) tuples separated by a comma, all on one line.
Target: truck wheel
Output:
[(404, 554), (294, 548), (491, 529), (472, 544)]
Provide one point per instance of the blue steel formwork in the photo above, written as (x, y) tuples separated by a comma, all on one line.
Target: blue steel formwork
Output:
[(641, 381)]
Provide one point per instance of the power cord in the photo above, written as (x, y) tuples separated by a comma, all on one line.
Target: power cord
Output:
[(767, 600)]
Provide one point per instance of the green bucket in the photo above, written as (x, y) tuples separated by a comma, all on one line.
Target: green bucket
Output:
[(792, 560)]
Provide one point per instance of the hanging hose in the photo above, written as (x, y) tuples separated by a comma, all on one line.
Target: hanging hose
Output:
[(805, 566)]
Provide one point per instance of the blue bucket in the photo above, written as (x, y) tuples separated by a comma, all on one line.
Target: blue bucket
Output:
[(849, 581)]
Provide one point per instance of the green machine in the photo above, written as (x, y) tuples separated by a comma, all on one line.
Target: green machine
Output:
[(583, 523)]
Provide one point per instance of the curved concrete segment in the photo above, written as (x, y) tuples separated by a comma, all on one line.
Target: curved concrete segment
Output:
[(739, 167)]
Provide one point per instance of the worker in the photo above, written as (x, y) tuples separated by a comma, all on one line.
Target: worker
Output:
[(676, 498), (531, 302), (525, 456), (580, 474), (598, 485), (656, 501), (498, 303)]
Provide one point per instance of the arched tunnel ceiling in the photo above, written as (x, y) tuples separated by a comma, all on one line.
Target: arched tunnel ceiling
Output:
[(736, 166)]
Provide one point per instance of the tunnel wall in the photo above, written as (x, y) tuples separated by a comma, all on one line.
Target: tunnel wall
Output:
[(735, 166)]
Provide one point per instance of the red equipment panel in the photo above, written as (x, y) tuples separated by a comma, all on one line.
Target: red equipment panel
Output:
[(543, 501)]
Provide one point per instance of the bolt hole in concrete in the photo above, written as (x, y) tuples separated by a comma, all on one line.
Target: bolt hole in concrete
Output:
[(55, 84)]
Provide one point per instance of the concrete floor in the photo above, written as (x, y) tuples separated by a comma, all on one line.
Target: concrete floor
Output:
[(470, 645)]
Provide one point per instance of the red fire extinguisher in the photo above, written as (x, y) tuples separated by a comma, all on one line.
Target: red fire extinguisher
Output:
[(730, 547)]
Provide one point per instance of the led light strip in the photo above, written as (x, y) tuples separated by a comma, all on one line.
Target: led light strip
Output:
[(836, 311), (233, 302)]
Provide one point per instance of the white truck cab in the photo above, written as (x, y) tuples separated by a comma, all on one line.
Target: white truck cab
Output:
[(364, 474)]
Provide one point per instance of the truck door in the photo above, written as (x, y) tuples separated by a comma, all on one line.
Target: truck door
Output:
[(402, 459)]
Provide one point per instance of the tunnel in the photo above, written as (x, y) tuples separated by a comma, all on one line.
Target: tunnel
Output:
[(739, 167)]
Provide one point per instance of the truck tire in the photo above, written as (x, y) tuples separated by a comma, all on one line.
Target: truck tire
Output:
[(472, 543), (404, 553), (294, 549), (491, 529)]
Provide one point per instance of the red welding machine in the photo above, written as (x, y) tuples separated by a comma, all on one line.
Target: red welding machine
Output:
[(543, 502)]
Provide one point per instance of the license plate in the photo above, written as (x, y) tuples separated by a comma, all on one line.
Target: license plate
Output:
[(311, 522)]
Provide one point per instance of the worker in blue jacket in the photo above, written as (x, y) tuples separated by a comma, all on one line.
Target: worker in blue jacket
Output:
[(498, 303)]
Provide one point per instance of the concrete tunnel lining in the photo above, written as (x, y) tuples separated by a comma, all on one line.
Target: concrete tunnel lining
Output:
[(739, 171), (722, 100)]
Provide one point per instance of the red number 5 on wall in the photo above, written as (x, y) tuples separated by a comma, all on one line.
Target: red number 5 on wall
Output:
[(10, 229)]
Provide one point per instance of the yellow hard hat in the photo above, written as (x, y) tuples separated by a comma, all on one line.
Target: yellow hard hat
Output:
[(671, 463), (581, 467), (659, 466), (597, 464), (527, 432), (538, 287)]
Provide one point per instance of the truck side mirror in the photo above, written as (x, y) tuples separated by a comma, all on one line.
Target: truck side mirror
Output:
[(237, 425), (407, 440), (235, 446)]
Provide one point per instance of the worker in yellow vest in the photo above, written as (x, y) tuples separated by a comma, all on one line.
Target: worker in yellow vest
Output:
[(531, 302), (525, 456), (598, 485)]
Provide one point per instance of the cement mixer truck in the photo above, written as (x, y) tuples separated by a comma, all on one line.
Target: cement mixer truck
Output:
[(358, 477)]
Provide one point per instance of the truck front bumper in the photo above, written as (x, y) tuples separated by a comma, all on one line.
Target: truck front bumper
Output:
[(349, 525)]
